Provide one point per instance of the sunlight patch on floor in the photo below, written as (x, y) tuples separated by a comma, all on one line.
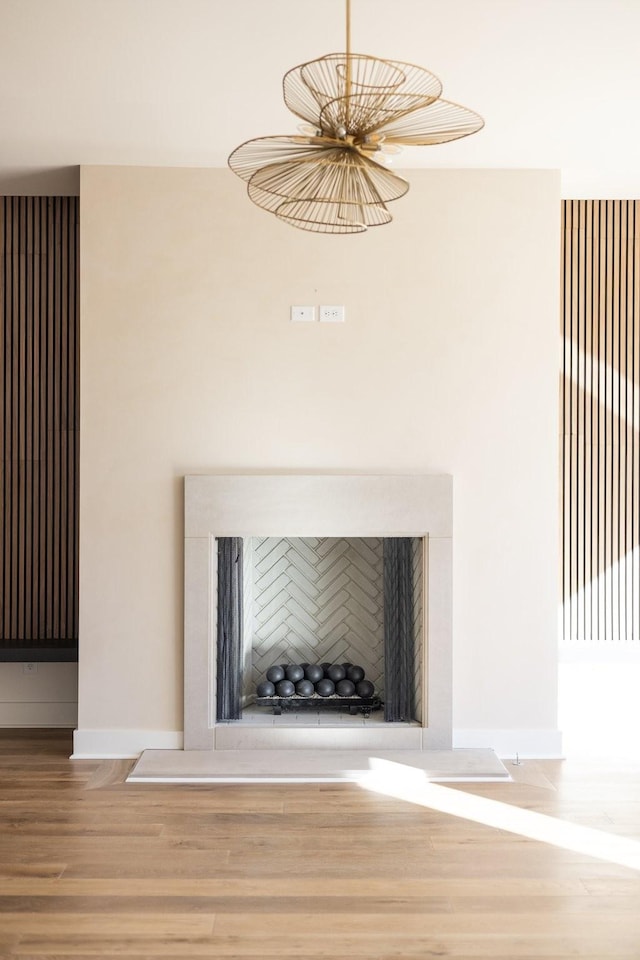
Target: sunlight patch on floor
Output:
[(405, 783)]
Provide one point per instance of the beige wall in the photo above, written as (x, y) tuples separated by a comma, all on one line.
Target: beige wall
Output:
[(448, 362)]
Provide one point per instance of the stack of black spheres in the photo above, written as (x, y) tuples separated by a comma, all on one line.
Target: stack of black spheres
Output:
[(310, 679)]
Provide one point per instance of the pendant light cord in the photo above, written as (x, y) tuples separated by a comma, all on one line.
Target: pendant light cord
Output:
[(348, 54)]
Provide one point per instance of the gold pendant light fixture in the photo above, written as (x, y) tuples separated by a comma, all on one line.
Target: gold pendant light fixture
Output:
[(331, 178)]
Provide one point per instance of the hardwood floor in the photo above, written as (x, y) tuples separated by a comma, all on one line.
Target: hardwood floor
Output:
[(91, 866)]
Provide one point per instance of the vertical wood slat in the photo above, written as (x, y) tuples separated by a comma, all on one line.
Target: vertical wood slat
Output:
[(600, 417), (39, 421)]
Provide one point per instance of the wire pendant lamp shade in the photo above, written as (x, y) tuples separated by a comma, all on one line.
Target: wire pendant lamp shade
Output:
[(331, 178)]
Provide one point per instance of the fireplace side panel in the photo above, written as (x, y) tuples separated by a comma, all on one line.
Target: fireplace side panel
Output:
[(247, 622), (418, 624)]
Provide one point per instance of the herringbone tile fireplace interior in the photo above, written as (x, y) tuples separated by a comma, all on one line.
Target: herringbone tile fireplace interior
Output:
[(317, 599)]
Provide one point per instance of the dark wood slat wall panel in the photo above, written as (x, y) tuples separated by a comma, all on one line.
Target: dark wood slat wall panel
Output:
[(600, 414), (40, 426)]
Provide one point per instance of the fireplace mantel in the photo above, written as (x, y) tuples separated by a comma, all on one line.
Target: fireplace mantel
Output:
[(320, 506)]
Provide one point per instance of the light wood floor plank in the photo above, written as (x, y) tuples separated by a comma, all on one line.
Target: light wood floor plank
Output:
[(122, 923), (338, 887), (373, 948)]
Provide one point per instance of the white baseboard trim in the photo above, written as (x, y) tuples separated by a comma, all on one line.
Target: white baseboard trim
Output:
[(526, 744), (38, 713), (122, 744)]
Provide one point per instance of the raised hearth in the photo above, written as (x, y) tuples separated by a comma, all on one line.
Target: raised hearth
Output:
[(318, 766)]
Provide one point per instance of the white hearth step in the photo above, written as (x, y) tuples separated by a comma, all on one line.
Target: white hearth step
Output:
[(319, 766)]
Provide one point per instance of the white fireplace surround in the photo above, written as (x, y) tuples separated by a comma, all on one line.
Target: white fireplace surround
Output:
[(316, 506)]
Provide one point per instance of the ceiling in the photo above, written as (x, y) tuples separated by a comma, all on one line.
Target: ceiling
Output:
[(182, 82)]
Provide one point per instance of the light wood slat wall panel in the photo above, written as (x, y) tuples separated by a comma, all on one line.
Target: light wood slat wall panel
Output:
[(39, 424), (600, 414)]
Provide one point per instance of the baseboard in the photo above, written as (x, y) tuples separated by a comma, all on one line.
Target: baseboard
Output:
[(122, 744), (24, 713), (526, 744)]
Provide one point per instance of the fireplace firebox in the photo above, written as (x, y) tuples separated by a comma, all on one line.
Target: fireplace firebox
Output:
[(319, 622)]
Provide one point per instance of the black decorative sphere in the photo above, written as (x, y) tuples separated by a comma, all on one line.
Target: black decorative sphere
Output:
[(304, 688), (266, 689), (314, 672), (325, 666), (345, 688), (336, 672), (285, 688), (365, 688), (346, 666), (275, 674), (325, 688), (355, 674), (294, 672)]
